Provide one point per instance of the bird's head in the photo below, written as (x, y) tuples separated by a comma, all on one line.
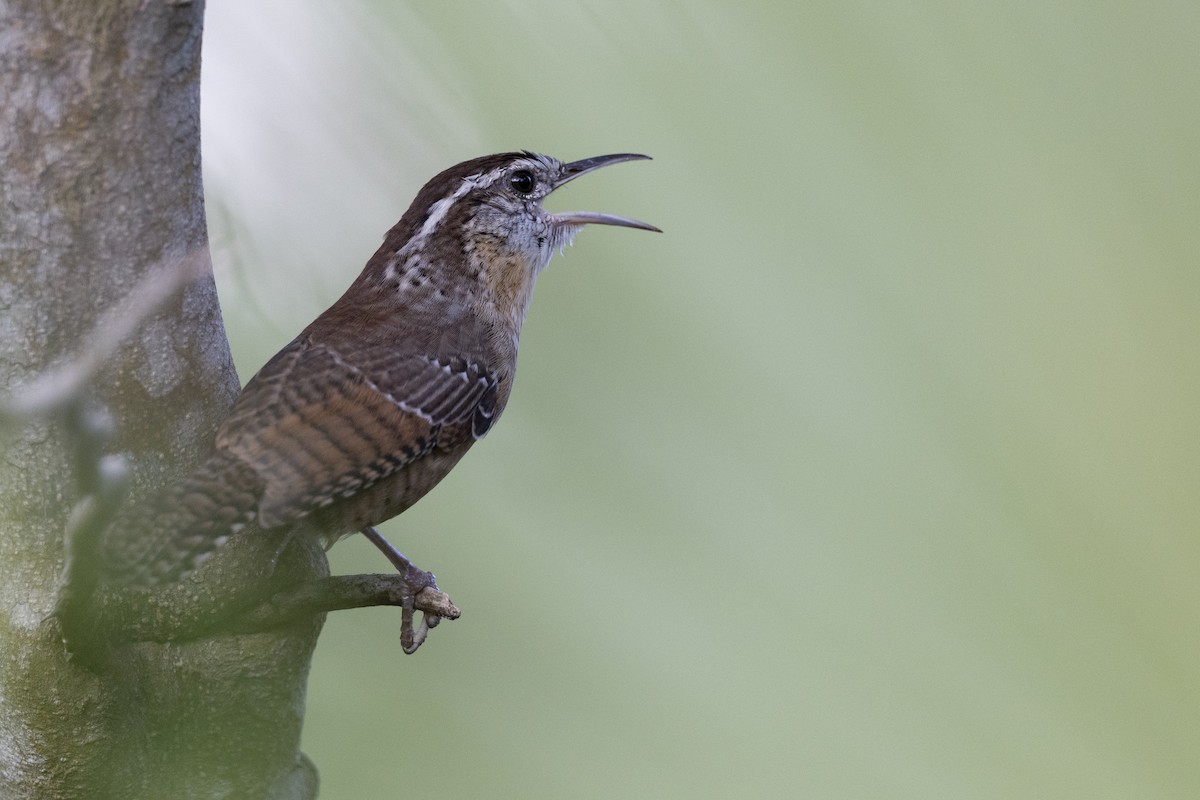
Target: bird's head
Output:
[(477, 235)]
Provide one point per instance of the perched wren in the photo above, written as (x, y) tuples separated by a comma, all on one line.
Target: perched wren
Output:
[(375, 401)]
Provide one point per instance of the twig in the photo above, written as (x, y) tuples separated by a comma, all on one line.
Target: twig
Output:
[(164, 622), (341, 592)]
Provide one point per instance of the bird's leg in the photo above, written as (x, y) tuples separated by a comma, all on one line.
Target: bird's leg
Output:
[(417, 581)]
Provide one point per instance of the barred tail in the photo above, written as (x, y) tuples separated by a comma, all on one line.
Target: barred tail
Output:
[(170, 535)]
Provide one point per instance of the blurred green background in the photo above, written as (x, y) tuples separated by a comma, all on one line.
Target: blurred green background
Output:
[(875, 475)]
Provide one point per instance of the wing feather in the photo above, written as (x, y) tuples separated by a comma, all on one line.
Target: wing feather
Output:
[(315, 427)]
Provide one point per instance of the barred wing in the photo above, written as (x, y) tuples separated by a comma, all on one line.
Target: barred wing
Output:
[(316, 428)]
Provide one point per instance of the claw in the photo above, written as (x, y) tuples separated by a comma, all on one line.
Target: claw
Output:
[(411, 639)]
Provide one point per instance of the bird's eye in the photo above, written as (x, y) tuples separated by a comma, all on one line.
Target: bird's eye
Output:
[(522, 181)]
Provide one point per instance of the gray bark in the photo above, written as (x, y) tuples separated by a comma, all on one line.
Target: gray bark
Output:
[(99, 185)]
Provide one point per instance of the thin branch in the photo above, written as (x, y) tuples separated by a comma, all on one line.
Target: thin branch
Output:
[(161, 621), (341, 592)]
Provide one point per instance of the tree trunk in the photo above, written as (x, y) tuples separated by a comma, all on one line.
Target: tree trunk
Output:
[(100, 185)]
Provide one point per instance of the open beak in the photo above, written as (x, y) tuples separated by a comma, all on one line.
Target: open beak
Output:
[(575, 219)]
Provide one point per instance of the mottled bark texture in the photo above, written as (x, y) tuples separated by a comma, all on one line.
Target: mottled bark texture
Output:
[(99, 184)]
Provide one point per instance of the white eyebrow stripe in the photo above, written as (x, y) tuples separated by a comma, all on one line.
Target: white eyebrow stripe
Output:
[(439, 210)]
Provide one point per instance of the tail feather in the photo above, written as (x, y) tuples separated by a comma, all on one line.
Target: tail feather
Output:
[(164, 539)]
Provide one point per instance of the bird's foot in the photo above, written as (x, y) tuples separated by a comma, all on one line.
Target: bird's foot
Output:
[(421, 594)]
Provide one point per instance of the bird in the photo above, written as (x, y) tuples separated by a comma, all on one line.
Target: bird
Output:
[(375, 401)]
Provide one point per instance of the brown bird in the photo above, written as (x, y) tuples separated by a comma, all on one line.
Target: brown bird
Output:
[(374, 402)]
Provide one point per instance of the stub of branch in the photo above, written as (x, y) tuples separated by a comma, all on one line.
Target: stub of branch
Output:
[(285, 607), (354, 591)]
